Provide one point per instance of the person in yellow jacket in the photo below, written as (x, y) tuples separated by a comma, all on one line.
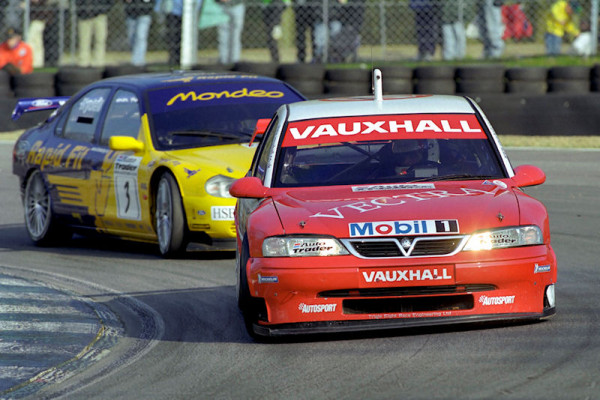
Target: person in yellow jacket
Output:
[(560, 20)]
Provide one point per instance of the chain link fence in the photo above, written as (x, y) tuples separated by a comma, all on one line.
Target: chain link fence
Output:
[(142, 32)]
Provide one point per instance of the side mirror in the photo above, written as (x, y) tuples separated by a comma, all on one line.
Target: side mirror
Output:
[(261, 127), (125, 143), (248, 187), (528, 175)]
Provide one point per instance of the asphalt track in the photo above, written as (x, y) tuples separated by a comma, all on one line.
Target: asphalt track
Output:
[(170, 329)]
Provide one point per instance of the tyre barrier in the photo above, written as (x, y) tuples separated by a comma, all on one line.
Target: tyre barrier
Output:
[(516, 100)]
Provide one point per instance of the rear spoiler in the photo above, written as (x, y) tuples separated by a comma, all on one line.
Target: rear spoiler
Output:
[(37, 104)]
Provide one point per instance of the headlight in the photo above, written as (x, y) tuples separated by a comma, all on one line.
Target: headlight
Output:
[(219, 185), (280, 246), (503, 238)]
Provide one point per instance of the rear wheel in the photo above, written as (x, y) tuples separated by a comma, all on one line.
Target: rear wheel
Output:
[(169, 218), (40, 222)]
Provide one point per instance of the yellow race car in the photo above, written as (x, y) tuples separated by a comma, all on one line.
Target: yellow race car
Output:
[(148, 157)]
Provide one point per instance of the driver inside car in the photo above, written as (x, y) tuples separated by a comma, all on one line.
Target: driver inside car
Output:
[(414, 158)]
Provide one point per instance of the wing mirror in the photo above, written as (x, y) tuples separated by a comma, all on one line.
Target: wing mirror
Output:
[(260, 128), (248, 187), (528, 175), (125, 143)]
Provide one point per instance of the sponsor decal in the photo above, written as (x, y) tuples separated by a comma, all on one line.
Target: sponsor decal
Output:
[(400, 228), (207, 96), (311, 247), (190, 172), (383, 127), (268, 279), (407, 275), (541, 268), (316, 308), (42, 103), (126, 186), (496, 301), (63, 156), (399, 186), (222, 213), (397, 200)]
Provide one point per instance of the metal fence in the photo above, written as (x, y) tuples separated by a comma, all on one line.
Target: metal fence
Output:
[(104, 32)]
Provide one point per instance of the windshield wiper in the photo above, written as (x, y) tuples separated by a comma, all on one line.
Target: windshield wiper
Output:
[(222, 135), (454, 177)]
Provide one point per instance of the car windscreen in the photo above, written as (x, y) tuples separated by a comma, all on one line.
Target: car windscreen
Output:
[(208, 114), (385, 149)]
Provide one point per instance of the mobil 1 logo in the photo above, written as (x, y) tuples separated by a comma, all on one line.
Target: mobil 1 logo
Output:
[(403, 228)]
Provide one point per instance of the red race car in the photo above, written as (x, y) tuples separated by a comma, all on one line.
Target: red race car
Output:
[(386, 212)]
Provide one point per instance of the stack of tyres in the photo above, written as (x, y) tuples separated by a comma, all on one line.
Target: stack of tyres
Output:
[(258, 68), (306, 78), (348, 82), (37, 84), (124, 69), (569, 79), (480, 79), (397, 79), (5, 88), (527, 80), (69, 80), (434, 80), (595, 76)]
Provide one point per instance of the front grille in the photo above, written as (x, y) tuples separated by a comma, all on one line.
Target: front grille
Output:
[(425, 246), (407, 291), (409, 304)]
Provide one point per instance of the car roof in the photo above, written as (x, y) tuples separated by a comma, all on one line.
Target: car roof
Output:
[(158, 80), (399, 104)]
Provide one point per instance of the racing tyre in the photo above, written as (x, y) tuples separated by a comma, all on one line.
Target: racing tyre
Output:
[(40, 222), (246, 303), (169, 218)]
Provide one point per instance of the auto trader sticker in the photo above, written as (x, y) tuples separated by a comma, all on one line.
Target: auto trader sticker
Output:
[(126, 187), (402, 228), (383, 127)]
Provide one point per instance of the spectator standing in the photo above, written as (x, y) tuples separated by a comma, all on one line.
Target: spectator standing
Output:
[(306, 16), (16, 56), (271, 15), (35, 34), (138, 18), (491, 29), (230, 33), (454, 38), (342, 33), (582, 45), (92, 26), (559, 21), (427, 26)]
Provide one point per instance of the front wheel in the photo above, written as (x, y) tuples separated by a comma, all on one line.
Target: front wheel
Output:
[(40, 222), (169, 218)]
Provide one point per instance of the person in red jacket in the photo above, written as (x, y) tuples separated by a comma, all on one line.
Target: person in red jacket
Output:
[(16, 56)]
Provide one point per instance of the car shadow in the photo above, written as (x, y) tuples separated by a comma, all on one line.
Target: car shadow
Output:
[(14, 237)]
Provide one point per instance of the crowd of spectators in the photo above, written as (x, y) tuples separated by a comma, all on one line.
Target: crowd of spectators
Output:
[(335, 32)]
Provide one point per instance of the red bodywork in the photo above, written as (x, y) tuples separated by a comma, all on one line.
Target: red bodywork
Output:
[(466, 286)]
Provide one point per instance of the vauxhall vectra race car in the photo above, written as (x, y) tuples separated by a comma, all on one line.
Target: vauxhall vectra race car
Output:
[(148, 157), (387, 212)]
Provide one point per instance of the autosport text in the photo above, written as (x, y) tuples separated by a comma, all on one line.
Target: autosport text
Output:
[(399, 228), (383, 128), (397, 200), (316, 308), (407, 275), (496, 301), (193, 96), (63, 156)]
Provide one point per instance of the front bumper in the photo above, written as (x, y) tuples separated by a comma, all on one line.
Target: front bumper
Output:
[(325, 294)]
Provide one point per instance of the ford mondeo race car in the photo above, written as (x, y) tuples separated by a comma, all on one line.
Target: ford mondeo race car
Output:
[(148, 157), (386, 212)]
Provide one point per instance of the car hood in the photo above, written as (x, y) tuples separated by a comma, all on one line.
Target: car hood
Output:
[(230, 160), (359, 210)]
